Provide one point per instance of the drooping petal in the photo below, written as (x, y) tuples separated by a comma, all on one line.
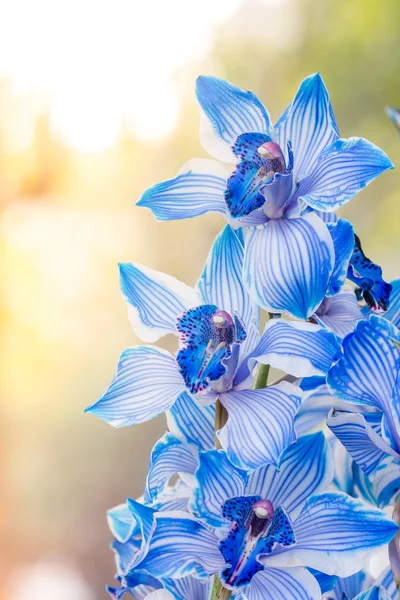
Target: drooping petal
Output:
[(147, 384), (343, 242), (230, 111), (288, 265), (315, 406), (335, 534), (168, 457), (368, 277), (298, 348), (221, 282), (342, 170), (376, 592), (309, 124), (357, 434), (393, 312), (217, 480), (181, 546), (192, 423), (306, 468), (121, 522), (342, 314), (260, 424), (199, 188), (293, 583), (368, 371), (155, 300)]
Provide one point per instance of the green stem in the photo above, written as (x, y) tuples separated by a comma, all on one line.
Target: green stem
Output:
[(221, 417), (219, 592), (262, 377)]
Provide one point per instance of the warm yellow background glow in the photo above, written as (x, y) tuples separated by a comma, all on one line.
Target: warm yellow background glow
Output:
[(97, 104)]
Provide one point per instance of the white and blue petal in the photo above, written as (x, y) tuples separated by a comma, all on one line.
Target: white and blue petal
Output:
[(181, 546), (343, 242), (293, 583), (197, 189), (298, 348), (221, 282), (335, 534), (188, 588), (217, 480), (121, 522), (343, 169), (367, 373), (306, 468), (168, 457), (393, 312), (227, 112), (309, 124), (387, 581), (192, 423), (147, 384), (260, 424), (376, 592), (288, 264), (340, 313), (357, 434), (155, 300)]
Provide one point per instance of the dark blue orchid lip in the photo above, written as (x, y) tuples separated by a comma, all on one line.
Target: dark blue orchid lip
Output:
[(207, 336), (368, 277), (257, 528)]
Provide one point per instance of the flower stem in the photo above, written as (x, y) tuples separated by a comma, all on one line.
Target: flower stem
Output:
[(221, 417), (262, 377), (219, 592)]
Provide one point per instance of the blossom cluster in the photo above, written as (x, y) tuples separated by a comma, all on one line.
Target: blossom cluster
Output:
[(263, 490)]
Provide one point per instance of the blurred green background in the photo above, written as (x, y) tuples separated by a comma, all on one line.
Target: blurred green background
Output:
[(96, 104)]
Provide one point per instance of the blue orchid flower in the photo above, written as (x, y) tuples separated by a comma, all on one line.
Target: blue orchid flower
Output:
[(217, 325), (283, 175), (367, 376), (361, 586), (261, 530)]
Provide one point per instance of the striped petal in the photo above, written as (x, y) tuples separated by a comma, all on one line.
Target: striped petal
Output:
[(260, 424), (342, 170), (335, 534), (376, 592), (349, 587), (198, 188), (121, 522), (393, 312), (227, 112), (217, 481), (341, 313), (387, 581), (294, 583), (147, 384), (358, 436), (188, 588), (221, 282), (288, 265), (168, 457), (298, 348), (181, 546), (306, 468), (192, 423), (154, 299), (368, 371), (309, 124), (343, 242)]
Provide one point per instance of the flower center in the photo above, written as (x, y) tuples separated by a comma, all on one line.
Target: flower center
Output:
[(207, 336)]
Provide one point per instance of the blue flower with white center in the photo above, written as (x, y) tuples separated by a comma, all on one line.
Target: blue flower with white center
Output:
[(367, 376), (283, 175), (220, 347), (261, 531)]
